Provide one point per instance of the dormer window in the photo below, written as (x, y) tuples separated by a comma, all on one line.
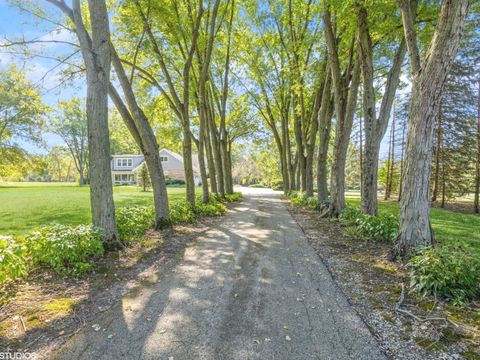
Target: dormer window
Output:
[(164, 158), (124, 162)]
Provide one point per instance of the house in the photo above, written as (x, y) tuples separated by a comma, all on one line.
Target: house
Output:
[(125, 168)]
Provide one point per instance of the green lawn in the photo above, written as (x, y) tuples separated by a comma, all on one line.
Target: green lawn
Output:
[(25, 206), (449, 227)]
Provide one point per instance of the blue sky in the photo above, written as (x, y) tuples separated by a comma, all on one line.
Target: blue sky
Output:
[(16, 24)]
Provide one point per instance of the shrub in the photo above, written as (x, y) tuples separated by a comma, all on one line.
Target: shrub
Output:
[(173, 182), (212, 208), (297, 198), (132, 222), (446, 271), (311, 203), (350, 214), (13, 262), (66, 249), (181, 212), (380, 227), (277, 184), (236, 196)]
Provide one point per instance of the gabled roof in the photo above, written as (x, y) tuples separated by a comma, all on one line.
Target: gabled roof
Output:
[(180, 157)]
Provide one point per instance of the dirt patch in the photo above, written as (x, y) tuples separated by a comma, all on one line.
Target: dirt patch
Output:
[(40, 314), (372, 285)]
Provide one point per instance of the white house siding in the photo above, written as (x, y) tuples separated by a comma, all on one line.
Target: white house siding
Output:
[(125, 167)]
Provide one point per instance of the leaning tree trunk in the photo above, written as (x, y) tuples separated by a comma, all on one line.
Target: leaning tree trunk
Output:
[(143, 134), (98, 73), (415, 230)]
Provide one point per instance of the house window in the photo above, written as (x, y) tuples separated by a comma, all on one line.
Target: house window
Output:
[(163, 158), (124, 162), (118, 177)]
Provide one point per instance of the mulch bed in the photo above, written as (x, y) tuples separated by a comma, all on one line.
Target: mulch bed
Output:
[(373, 286)]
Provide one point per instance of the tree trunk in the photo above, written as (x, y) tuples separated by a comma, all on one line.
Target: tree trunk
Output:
[(143, 134), (437, 156), (391, 161), (342, 139), (212, 174), (401, 163), (312, 139), (375, 128), (187, 163), (476, 201), (324, 127), (428, 80), (98, 74), (387, 181), (217, 155)]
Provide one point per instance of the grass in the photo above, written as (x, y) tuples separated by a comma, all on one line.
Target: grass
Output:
[(26, 206), (449, 227)]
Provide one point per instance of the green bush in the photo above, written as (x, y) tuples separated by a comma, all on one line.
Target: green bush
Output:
[(311, 203), (66, 249), (380, 227), (212, 208), (350, 215), (236, 196), (173, 182), (13, 262), (297, 198), (181, 212), (450, 272), (132, 222), (277, 184)]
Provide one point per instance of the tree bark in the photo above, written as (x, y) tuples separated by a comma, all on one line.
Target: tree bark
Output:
[(345, 95), (212, 174), (312, 138), (391, 163), (342, 138), (375, 128), (98, 73), (324, 127), (438, 150), (148, 144), (428, 80), (476, 201)]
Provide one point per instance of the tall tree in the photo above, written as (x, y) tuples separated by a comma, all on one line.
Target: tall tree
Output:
[(345, 88), (375, 126), (428, 80), (21, 110), (71, 125), (180, 102)]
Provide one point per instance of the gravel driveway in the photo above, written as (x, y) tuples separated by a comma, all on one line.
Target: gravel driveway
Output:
[(250, 288)]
